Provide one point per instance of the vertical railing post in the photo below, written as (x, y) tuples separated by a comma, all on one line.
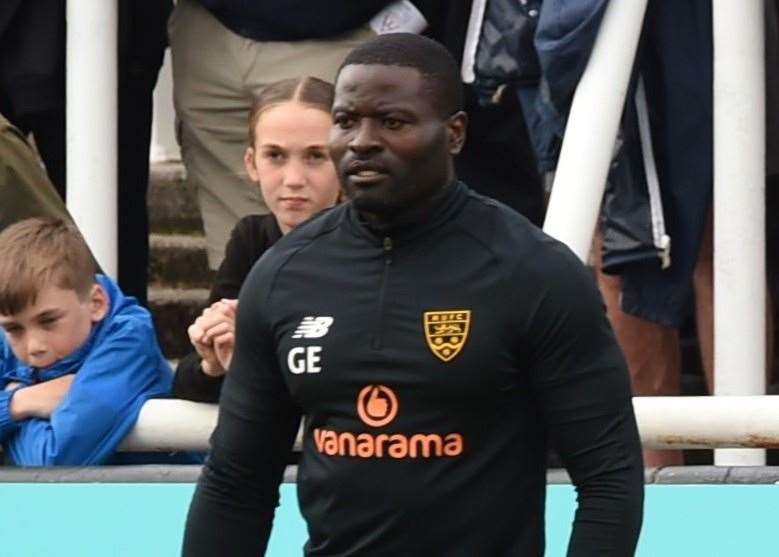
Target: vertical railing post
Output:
[(592, 128), (163, 130), (91, 88), (739, 208)]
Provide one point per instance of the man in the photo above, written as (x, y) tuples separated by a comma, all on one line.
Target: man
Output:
[(434, 340)]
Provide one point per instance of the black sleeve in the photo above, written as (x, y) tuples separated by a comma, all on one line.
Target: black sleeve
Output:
[(583, 390), (244, 248), (233, 506), (246, 244), (191, 383)]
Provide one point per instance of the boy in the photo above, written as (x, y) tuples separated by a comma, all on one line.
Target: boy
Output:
[(78, 359)]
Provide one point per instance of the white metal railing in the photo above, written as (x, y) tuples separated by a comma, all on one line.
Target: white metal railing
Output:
[(739, 180), (91, 119), (663, 422), (172, 425), (700, 422), (593, 123), (739, 208), (164, 146)]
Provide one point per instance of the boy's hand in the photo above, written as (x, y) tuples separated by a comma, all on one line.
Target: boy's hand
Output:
[(213, 336), (40, 401)]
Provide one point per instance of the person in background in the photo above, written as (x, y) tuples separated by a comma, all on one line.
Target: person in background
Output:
[(32, 97), (224, 52), (78, 359), (652, 250), (436, 342), (289, 125), (498, 159), (25, 189)]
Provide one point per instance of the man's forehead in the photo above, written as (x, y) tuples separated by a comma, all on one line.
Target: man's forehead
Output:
[(381, 87), (355, 77)]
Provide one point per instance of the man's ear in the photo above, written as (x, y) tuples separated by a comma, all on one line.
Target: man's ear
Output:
[(248, 161), (98, 303), (456, 126)]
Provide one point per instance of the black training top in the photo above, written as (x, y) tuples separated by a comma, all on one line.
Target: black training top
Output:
[(432, 365), (251, 236)]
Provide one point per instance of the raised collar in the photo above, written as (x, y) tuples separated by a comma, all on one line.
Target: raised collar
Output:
[(448, 206)]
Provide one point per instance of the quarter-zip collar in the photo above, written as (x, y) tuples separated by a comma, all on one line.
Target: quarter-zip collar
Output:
[(417, 224)]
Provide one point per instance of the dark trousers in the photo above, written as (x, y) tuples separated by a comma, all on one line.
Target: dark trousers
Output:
[(141, 48)]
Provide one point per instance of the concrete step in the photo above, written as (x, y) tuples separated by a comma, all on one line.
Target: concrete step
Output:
[(174, 310), (179, 261), (179, 277), (172, 201)]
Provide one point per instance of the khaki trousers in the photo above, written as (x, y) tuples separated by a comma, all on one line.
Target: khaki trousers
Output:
[(216, 74), (25, 189)]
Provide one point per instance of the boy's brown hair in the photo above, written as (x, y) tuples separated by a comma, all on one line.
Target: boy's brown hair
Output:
[(310, 91), (40, 252)]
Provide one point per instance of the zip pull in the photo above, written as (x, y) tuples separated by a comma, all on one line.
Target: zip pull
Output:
[(387, 245)]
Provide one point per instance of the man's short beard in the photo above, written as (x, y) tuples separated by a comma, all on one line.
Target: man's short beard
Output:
[(377, 208)]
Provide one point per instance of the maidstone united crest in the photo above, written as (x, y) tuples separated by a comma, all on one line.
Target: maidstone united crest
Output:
[(446, 332)]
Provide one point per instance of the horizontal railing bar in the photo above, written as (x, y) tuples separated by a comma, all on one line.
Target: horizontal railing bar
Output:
[(166, 425), (188, 474), (134, 474), (172, 425), (664, 422), (705, 422)]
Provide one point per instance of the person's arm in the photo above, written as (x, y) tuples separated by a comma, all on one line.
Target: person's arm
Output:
[(118, 376), (18, 400), (191, 381), (8, 426), (39, 400), (233, 506), (199, 374), (583, 390), (213, 336), (8, 422)]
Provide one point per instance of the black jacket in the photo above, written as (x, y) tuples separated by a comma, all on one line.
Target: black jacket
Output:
[(433, 363), (251, 237), (652, 228)]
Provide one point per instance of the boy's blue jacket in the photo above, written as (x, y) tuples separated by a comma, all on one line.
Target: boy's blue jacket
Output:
[(118, 368)]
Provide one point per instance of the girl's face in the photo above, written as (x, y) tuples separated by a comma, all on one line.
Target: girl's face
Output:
[(291, 162)]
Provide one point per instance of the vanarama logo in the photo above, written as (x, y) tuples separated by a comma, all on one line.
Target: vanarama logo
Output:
[(377, 406)]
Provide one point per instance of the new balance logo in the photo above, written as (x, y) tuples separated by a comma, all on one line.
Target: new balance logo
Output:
[(313, 327)]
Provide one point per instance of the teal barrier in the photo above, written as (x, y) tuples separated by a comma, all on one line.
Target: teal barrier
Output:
[(132, 520)]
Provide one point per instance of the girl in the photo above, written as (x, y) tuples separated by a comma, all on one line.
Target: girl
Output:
[(287, 154)]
